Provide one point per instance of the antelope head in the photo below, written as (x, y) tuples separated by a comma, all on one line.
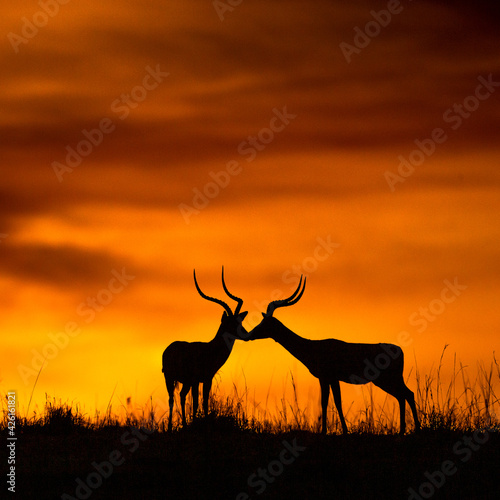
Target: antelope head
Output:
[(264, 329), (231, 322)]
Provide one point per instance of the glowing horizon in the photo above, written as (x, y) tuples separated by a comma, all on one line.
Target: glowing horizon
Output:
[(147, 142)]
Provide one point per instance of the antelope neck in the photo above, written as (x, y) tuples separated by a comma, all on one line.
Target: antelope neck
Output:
[(293, 343), (223, 338)]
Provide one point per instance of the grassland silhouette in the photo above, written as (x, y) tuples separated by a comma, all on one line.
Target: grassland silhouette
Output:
[(242, 450), (229, 455)]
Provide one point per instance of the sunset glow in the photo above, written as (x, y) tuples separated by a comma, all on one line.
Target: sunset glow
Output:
[(140, 142)]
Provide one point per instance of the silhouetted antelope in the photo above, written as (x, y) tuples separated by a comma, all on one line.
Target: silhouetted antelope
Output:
[(192, 363), (333, 360)]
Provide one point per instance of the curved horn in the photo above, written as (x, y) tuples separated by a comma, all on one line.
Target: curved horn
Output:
[(237, 299), (211, 299), (293, 299)]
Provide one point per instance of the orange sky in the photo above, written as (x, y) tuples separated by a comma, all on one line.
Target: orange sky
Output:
[(305, 137)]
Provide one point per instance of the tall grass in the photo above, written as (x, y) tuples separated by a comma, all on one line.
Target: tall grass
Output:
[(461, 403)]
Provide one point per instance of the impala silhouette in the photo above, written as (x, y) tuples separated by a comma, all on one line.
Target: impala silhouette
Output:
[(332, 361), (192, 363)]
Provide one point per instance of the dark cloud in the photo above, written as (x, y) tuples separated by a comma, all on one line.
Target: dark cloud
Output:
[(59, 266), (225, 79), (228, 76), (486, 10)]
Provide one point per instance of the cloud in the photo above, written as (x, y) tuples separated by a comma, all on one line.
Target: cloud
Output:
[(60, 266), (225, 78)]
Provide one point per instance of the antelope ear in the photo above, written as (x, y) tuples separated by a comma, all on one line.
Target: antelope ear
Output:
[(224, 315), (264, 315), (243, 315)]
